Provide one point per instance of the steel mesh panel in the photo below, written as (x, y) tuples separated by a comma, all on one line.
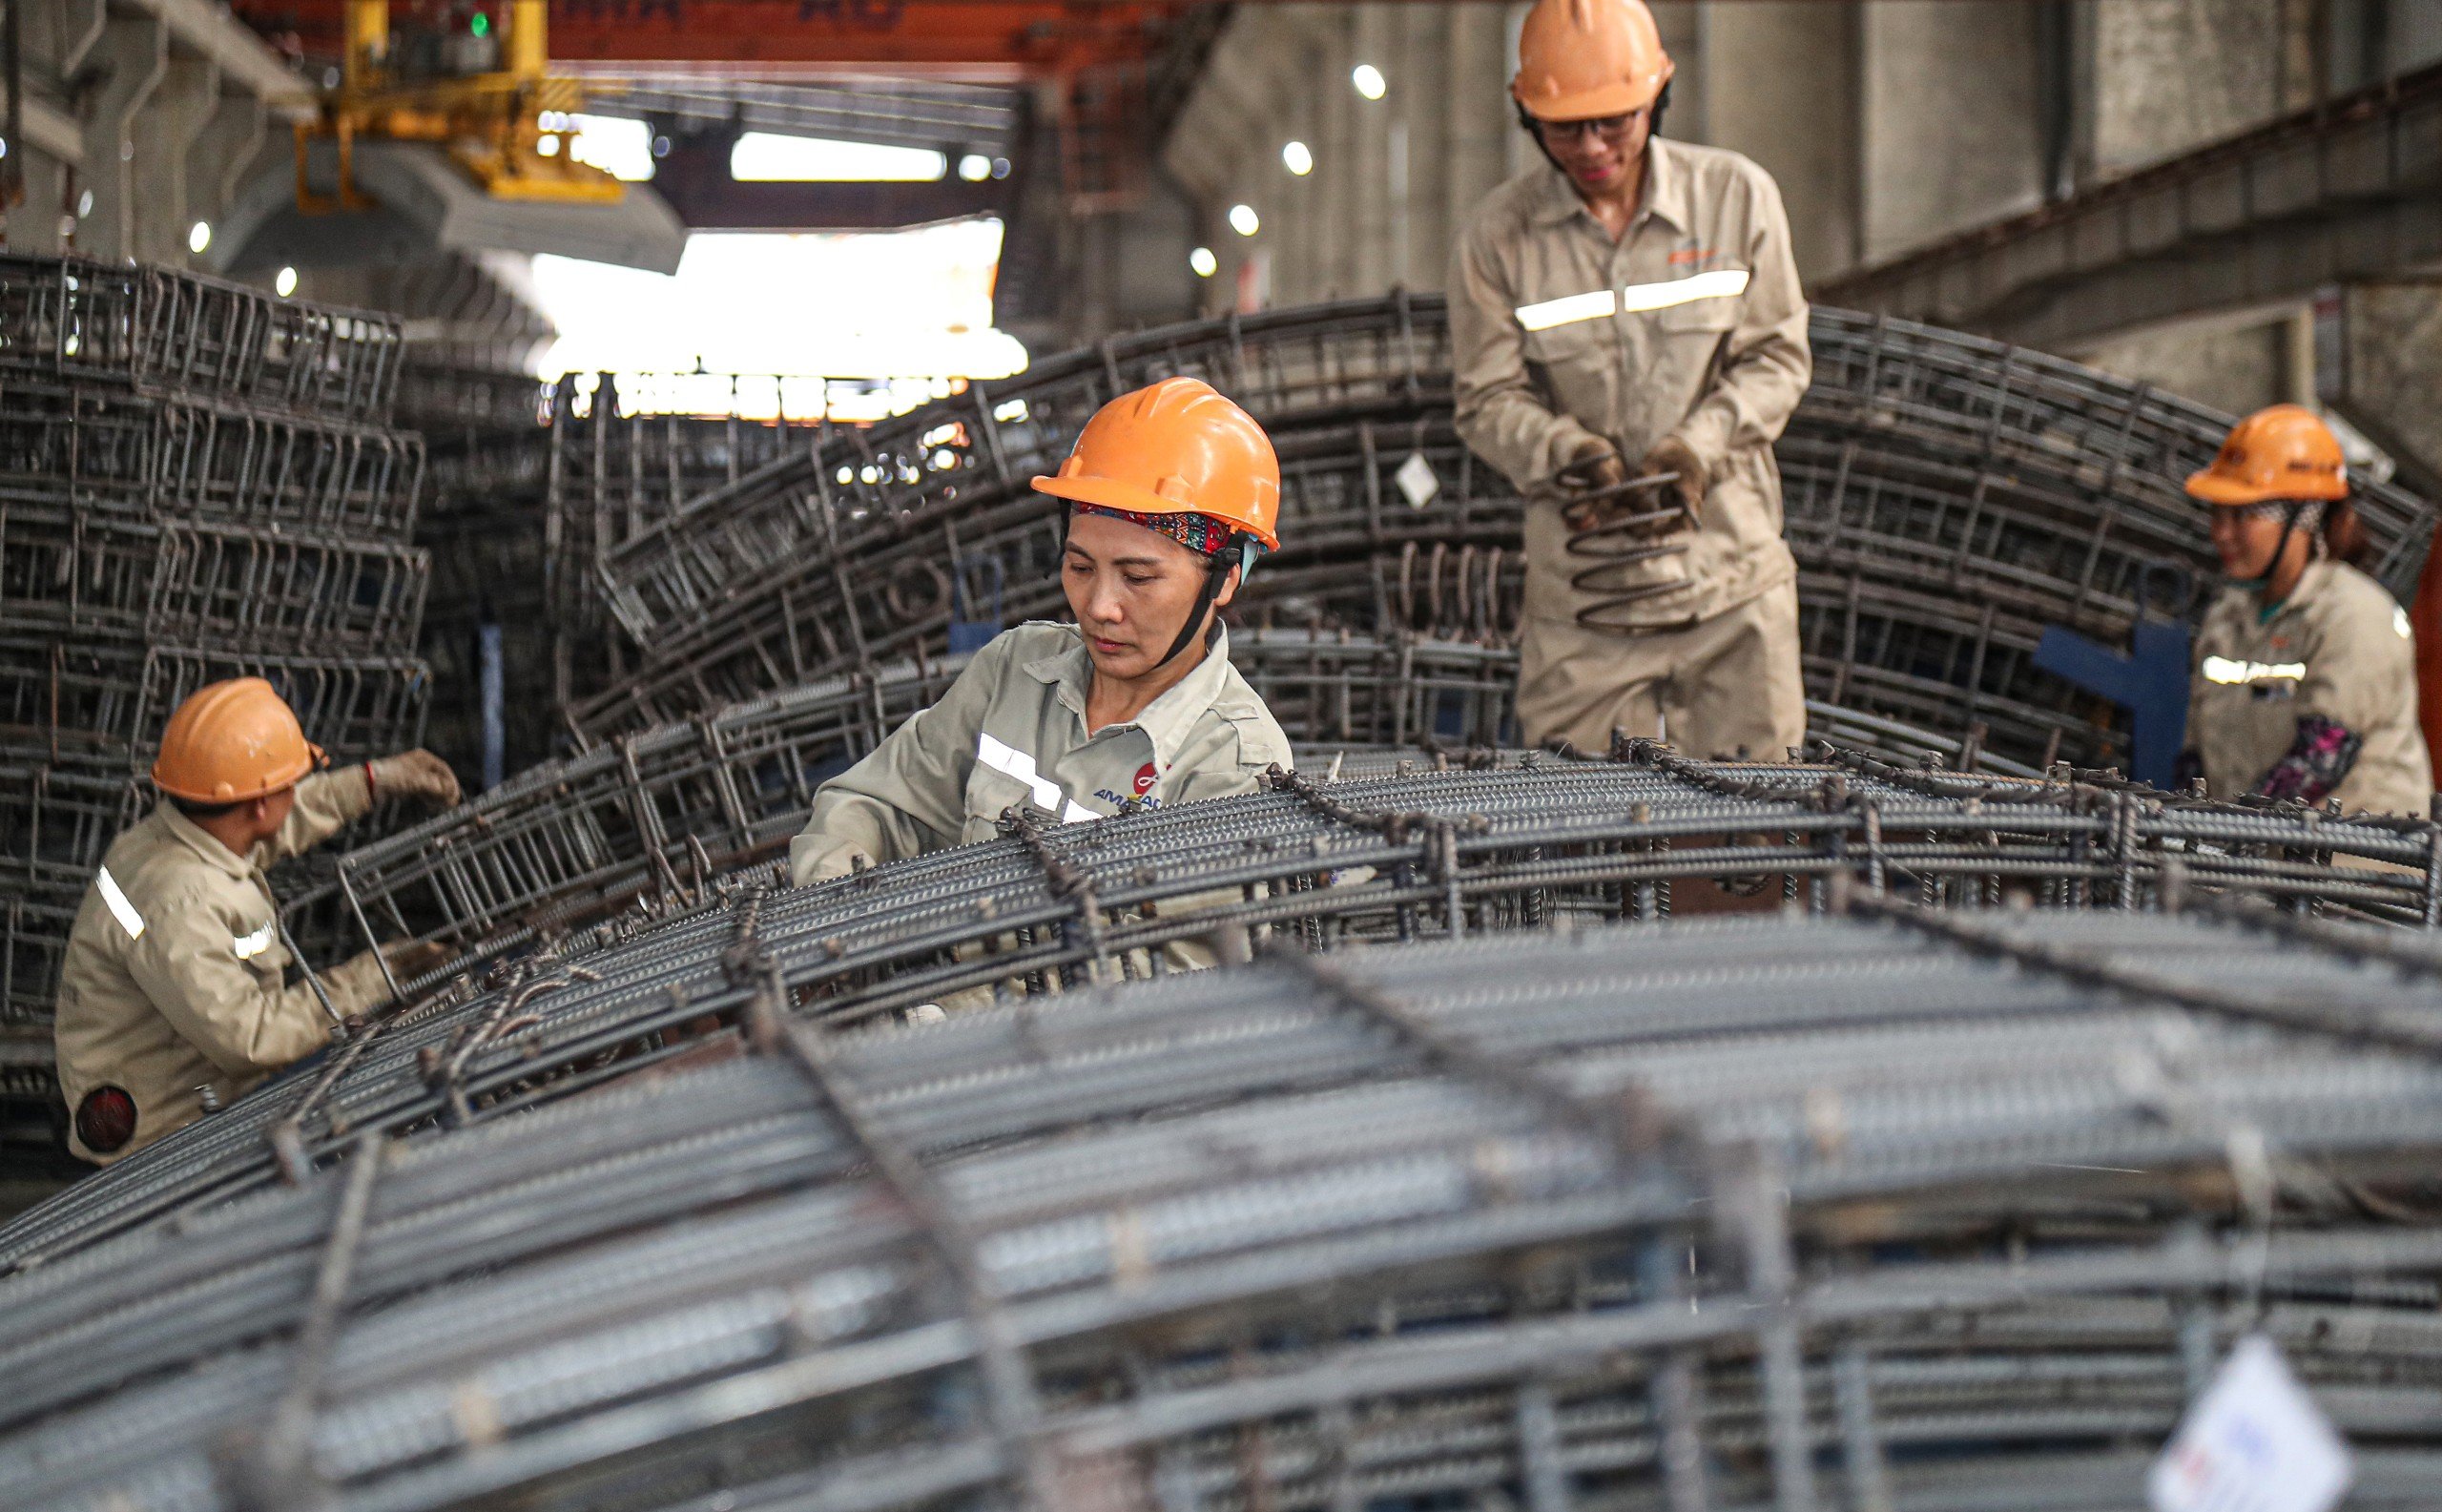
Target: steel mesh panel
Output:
[(1786, 1211), (1524, 846), (165, 331), (1946, 499)]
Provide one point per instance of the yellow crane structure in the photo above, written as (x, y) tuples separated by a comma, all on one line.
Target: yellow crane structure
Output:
[(489, 123)]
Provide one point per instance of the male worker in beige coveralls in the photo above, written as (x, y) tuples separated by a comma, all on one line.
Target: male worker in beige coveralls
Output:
[(175, 976), (1627, 308)]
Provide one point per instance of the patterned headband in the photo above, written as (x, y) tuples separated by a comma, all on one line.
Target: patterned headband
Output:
[(1200, 534), (2311, 511)]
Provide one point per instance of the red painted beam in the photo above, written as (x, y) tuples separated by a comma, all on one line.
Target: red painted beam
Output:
[(985, 40)]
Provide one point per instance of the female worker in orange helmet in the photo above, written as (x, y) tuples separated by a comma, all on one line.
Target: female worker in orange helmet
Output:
[(2306, 673), (1172, 492)]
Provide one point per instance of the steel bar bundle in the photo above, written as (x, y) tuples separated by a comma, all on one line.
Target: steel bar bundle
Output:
[(1900, 1208), (198, 481), (163, 331), (648, 819), (1522, 846)]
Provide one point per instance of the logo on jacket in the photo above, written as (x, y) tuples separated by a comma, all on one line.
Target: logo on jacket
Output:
[(1687, 257), (1145, 776)]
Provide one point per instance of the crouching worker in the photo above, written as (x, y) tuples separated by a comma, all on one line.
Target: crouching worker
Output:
[(1174, 491), (174, 985), (2306, 671)]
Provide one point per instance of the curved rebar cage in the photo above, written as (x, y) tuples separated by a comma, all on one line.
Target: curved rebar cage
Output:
[(1947, 499), (1524, 846), (1903, 1209)]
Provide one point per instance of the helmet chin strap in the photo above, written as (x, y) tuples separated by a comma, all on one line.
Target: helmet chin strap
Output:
[(2288, 527), (1217, 574)]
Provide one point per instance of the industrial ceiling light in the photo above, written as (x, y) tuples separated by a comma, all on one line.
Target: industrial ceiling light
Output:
[(1204, 262), (974, 168), (1369, 81), (1244, 220), (1298, 159), (199, 236), (547, 144), (286, 284)]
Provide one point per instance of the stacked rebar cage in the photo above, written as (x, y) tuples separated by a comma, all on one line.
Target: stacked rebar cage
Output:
[(532, 483), (198, 481), (1947, 499), (1912, 1207)]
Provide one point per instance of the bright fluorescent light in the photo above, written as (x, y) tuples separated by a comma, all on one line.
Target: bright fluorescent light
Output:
[(1244, 220), (1298, 159), (764, 158), (974, 168), (1369, 81), (1204, 262), (623, 149)]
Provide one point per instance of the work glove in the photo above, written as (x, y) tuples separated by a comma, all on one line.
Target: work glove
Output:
[(357, 986), (1592, 464), (1670, 454), (415, 775)]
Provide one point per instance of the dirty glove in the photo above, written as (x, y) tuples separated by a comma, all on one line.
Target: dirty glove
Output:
[(414, 774), (1670, 454), (1593, 464), (357, 986)]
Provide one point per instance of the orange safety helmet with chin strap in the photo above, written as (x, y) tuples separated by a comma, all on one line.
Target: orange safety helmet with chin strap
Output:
[(1173, 447), (2283, 453), (1582, 60), (231, 742)]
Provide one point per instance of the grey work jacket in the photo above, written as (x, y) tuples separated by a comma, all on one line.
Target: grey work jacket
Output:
[(176, 975), (1011, 732), (2340, 647), (1692, 325)]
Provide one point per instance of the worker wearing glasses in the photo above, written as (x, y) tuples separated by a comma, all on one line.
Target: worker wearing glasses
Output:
[(1629, 339)]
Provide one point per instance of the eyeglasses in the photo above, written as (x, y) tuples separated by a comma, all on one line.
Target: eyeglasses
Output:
[(1614, 127)]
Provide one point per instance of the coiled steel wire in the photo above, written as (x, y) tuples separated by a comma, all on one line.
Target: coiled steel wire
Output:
[(1902, 1209), (1947, 499), (1520, 847)]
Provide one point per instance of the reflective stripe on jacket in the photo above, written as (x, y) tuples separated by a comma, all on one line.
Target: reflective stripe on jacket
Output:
[(175, 975), (2338, 648), (1692, 325), (1011, 732)]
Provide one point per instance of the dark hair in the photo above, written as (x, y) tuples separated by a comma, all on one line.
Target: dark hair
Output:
[(1527, 123), (204, 811), (2343, 533)]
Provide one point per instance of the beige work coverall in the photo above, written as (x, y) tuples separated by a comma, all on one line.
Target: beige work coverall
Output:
[(175, 977), (2339, 648), (1011, 732), (1691, 325)]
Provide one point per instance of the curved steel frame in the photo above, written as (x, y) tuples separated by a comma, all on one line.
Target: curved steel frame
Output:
[(1890, 1209)]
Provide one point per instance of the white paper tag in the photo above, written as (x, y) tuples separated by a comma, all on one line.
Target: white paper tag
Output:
[(1416, 481), (2255, 1442)]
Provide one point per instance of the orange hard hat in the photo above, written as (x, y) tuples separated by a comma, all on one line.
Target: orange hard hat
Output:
[(2285, 453), (1177, 447), (1581, 60), (232, 741)]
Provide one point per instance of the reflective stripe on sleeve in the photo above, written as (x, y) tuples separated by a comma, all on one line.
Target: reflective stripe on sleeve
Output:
[(1722, 283), (249, 946), (1010, 761), (2235, 674), (1567, 310), (121, 909)]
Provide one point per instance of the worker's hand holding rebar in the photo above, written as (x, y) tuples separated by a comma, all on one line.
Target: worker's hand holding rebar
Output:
[(410, 958), (1594, 464), (1672, 455), (416, 775)]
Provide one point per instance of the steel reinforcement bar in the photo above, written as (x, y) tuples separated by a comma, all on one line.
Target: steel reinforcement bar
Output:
[(1947, 499), (1888, 1209), (1527, 846), (163, 331)]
